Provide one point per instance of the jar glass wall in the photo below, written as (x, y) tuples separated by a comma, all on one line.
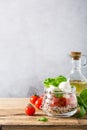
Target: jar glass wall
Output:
[(60, 103)]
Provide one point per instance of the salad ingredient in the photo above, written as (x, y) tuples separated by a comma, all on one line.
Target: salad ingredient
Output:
[(83, 96), (82, 112), (72, 100), (44, 119), (30, 110), (62, 102), (65, 86), (82, 103), (54, 81), (66, 95), (52, 89), (33, 98), (38, 103), (54, 102)]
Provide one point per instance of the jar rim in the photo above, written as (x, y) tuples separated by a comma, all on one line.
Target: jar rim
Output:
[(61, 92)]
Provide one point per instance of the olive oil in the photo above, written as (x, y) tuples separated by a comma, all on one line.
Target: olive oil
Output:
[(79, 85)]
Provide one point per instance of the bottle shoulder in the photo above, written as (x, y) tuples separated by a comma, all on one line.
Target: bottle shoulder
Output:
[(76, 76)]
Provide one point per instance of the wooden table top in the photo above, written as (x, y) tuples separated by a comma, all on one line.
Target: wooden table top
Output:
[(12, 116)]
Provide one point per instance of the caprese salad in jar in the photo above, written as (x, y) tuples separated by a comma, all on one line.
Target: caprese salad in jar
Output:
[(59, 97)]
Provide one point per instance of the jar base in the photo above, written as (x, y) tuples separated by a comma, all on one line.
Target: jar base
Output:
[(68, 114)]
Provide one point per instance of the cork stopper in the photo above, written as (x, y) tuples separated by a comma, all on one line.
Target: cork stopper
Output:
[(75, 55)]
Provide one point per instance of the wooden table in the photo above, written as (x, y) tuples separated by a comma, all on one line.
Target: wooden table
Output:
[(12, 117)]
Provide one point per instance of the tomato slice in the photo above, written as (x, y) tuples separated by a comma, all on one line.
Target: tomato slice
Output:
[(62, 102), (55, 101)]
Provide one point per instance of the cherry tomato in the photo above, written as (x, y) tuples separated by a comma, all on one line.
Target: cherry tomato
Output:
[(62, 102), (33, 98), (38, 103), (30, 110), (55, 101)]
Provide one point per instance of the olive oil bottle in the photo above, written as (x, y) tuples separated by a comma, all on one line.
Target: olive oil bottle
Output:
[(76, 77)]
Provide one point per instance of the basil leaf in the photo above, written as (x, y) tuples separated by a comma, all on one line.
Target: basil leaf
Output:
[(43, 119), (83, 96), (81, 102), (54, 81), (82, 112)]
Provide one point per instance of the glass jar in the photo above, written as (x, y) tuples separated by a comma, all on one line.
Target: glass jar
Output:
[(76, 77), (60, 103)]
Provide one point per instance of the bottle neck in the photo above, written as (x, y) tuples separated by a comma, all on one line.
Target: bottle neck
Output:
[(76, 64)]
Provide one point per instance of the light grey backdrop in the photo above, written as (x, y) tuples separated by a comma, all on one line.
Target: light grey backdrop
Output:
[(35, 39)]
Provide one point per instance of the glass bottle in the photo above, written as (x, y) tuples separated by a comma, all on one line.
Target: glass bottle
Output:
[(76, 77)]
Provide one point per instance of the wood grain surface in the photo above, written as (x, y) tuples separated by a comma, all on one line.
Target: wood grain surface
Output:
[(12, 117)]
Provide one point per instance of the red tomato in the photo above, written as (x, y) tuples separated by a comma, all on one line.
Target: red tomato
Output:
[(38, 103), (54, 101), (62, 102), (30, 110), (33, 98)]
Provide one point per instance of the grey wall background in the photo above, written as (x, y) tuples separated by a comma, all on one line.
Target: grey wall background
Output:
[(35, 39)]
